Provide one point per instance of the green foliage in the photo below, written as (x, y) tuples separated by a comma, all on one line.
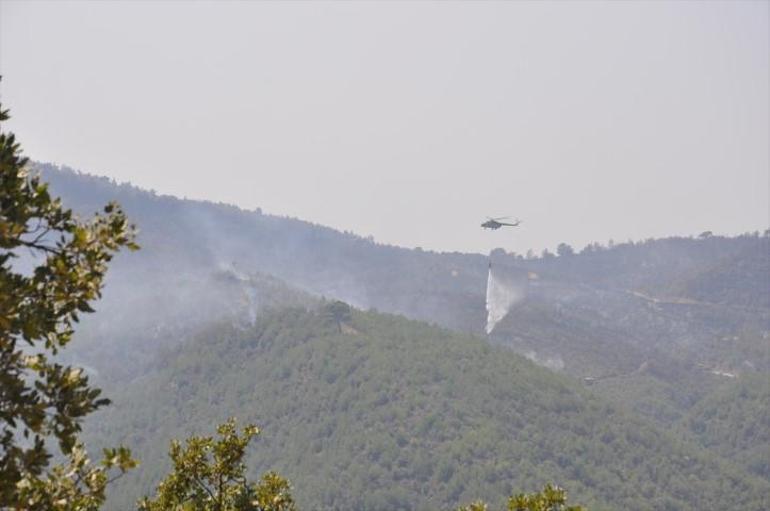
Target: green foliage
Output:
[(51, 268), (648, 325), (397, 414), (76, 486), (734, 421), (564, 250), (477, 505), (209, 475), (552, 498), (338, 312), (738, 281)]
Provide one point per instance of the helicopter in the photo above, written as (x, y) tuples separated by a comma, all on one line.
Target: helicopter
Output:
[(495, 223)]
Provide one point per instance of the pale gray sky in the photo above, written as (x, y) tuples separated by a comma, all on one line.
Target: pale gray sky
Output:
[(411, 121)]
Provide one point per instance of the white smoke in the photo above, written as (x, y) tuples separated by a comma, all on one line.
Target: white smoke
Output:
[(552, 363), (501, 297), (250, 296), (252, 304)]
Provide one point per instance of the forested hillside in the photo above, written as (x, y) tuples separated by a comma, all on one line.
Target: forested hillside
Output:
[(735, 422), (388, 413), (478, 256), (658, 332), (444, 288), (658, 356), (159, 311), (741, 280), (189, 236)]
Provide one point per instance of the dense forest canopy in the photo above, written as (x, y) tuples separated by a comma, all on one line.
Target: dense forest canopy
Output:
[(389, 413), (641, 389)]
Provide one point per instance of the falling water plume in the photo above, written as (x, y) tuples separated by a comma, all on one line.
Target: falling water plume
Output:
[(501, 297)]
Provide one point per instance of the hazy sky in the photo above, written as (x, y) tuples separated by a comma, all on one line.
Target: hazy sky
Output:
[(411, 121)]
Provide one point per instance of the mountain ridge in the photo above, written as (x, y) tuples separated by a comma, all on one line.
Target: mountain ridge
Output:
[(644, 326)]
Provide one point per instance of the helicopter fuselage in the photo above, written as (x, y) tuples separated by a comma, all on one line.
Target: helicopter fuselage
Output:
[(491, 224), (494, 224)]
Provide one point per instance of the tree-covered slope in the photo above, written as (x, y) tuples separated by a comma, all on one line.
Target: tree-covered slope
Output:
[(395, 414), (734, 421), (154, 313), (656, 356), (741, 280), (184, 236), (444, 288), (653, 326)]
